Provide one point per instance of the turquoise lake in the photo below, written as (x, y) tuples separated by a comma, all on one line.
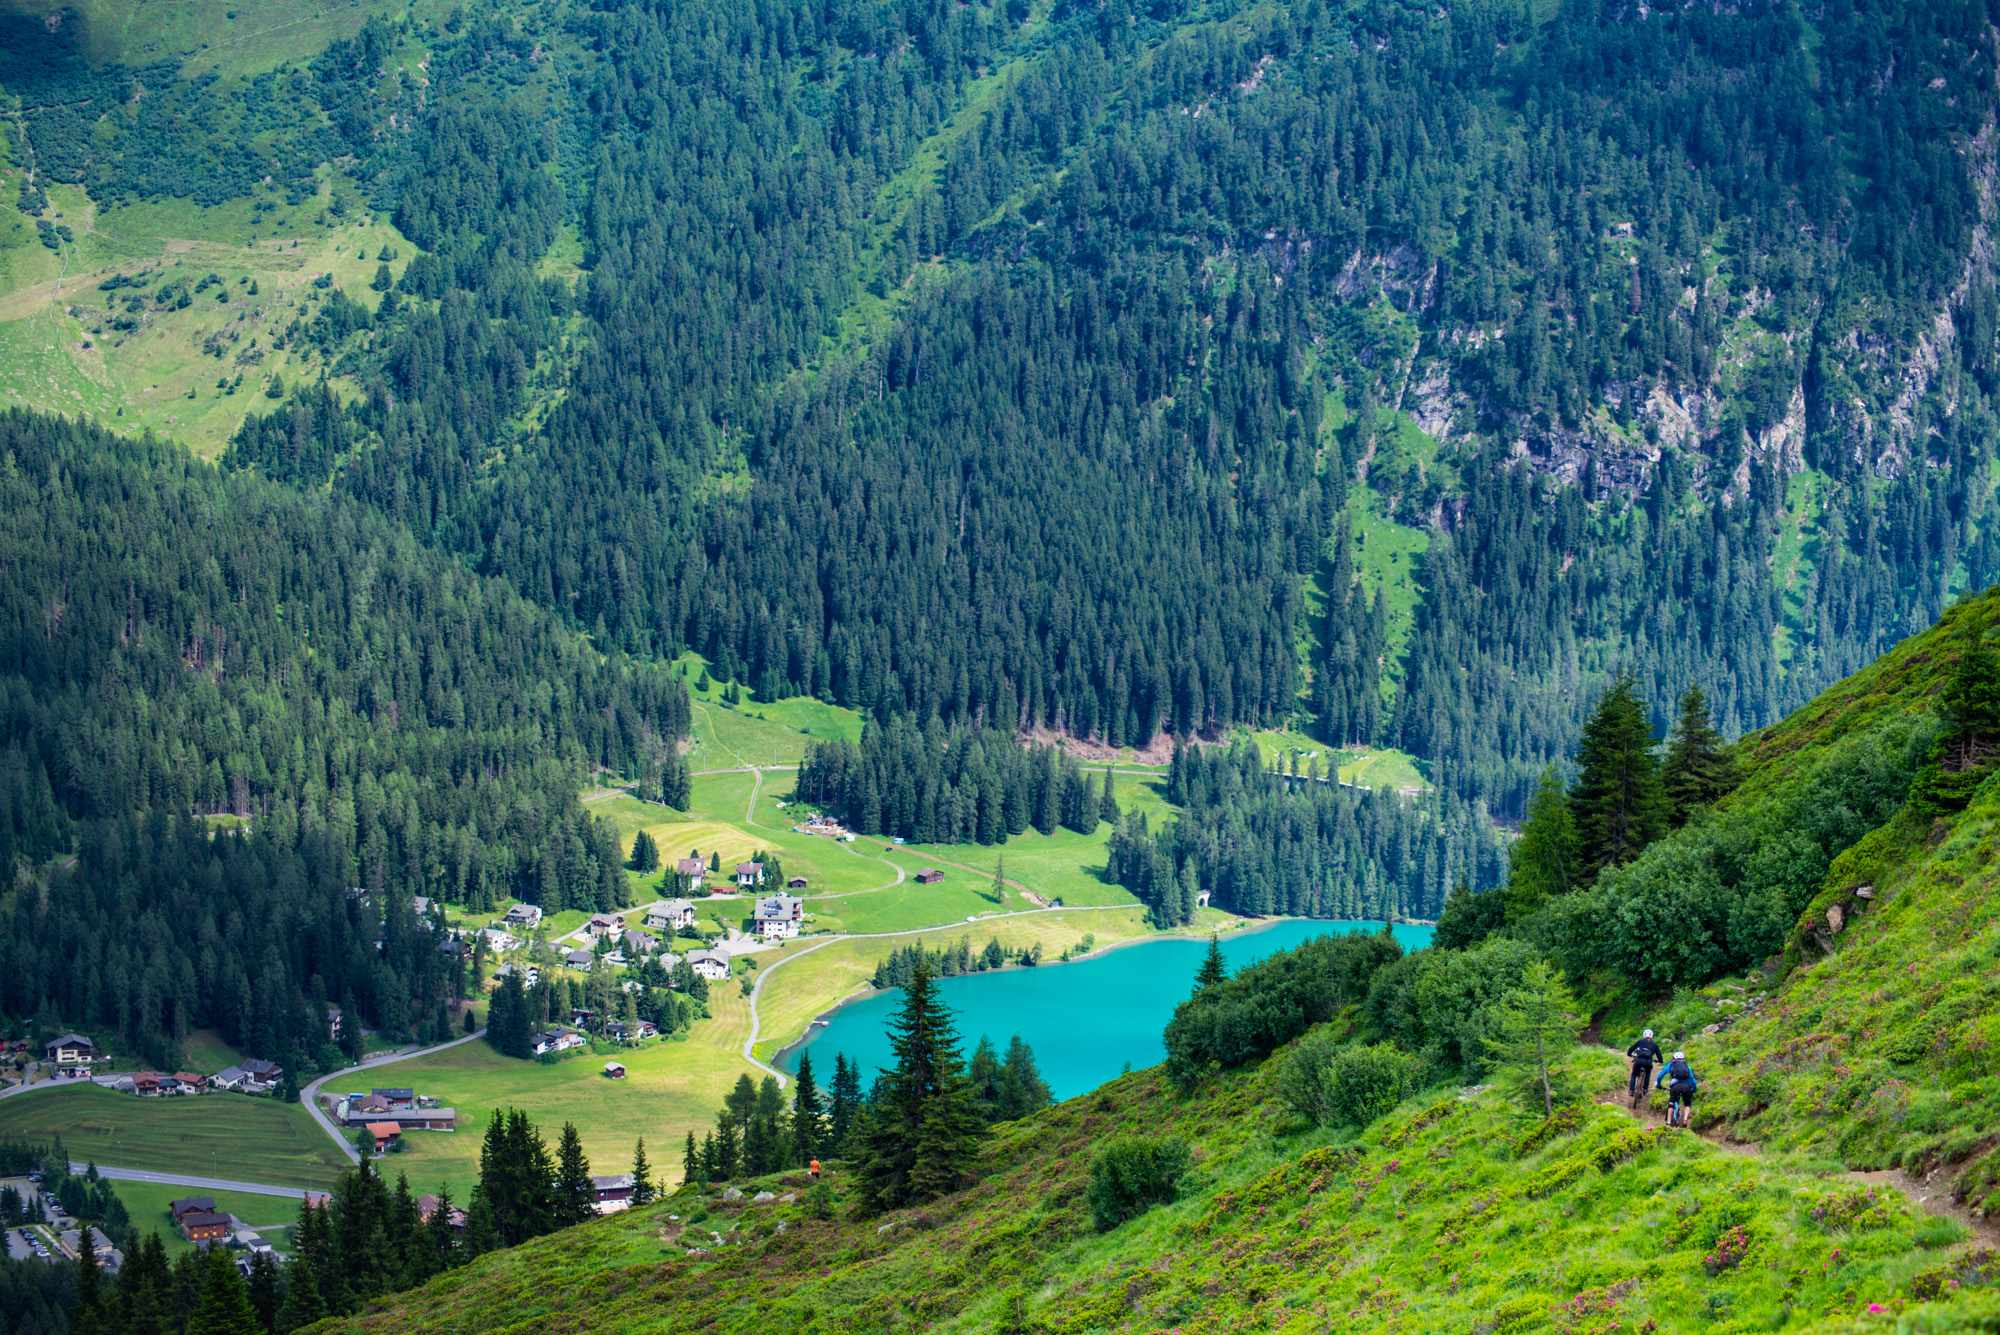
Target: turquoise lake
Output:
[(1086, 1022)]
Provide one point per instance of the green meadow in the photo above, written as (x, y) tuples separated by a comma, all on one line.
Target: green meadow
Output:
[(234, 1136)]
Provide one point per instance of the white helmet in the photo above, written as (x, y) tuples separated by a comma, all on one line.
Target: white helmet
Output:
[(1647, 1034), (1680, 1056)]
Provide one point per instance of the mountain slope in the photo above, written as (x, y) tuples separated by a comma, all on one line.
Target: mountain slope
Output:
[(1456, 1212)]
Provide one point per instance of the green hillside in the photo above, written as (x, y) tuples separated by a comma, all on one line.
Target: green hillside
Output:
[(1836, 1183)]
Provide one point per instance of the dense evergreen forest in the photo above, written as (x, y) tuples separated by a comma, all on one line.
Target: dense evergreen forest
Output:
[(188, 652), (1057, 432), (996, 366)]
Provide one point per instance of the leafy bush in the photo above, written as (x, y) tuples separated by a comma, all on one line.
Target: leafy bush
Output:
[(1338, 1084), (1131, 1175), (1440, 1002), (1271, 1003)]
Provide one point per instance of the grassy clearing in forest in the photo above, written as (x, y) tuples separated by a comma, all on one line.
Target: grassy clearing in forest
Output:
[(271, 1216), (236, 1136)]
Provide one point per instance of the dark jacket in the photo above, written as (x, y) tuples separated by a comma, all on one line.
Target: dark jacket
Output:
[(1645, 1050)]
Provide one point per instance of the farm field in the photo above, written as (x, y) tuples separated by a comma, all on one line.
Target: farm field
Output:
[(146, 1202), (213, 1135), (672, 1086)]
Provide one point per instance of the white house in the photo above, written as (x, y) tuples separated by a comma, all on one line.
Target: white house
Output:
[(670, 915), (525, 915), (557, 1040), (777, 917), (71, 1052), (499, 940), (606, 924), (579, 958), (749, 875), (710, 964)]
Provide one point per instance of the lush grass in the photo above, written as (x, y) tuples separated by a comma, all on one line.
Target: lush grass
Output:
[(1454, 1213), (753, 731), (59, 349), (1368, 766), (1386, 559), (211, 1135), (205, 1052), (220, 36), (673, 1086), (146, 1202), (1794, 555)]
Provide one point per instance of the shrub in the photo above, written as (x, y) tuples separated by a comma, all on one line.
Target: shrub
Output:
[(1131, 1175), (1346, 1085)]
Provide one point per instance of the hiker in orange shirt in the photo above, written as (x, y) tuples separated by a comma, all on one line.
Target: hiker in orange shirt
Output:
[(813, 1168)]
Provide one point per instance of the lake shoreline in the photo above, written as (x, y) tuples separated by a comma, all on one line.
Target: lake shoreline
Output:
[(1239, 928)]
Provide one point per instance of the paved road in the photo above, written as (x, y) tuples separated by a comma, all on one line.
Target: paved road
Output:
[(309, 1096), (12, 1090), (185, 1180)]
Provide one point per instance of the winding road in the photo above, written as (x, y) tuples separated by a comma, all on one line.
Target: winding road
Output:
[(185, 1180), (309, 1096)]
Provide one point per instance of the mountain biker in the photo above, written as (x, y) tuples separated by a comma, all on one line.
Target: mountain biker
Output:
[(1644, 1056), (1679, 1079)]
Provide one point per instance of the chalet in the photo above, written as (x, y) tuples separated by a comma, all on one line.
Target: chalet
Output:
[(795, 883), (614, 1070), (229, 1077), (670, 915), (637, 942), (263, 1072), (334, 1020), (929, 876), (427, 1207), (579, 958), (710, 964), (499, 940), (384, 1134), (606, 924), (557, 1040), (638, 1031), (613, 1191), (187, 1205), (529, 976), (187, 1082), (71, 1054), (149, 1084), (749, 875), (524, 915), (70, 1242), (205, 1226), (777, 917), (583, 1017), (394, 1099), (693, 869)]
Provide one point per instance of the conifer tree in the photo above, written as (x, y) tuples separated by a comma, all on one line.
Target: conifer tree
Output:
[(1212, 970), (482, 1230), (642, 1175), (222, 1306), (263, 1286), (441, 1237), (843, 1103), (89, 1314), (1107, 802), (1532, 1027), (576, 1194), (1969, 740), (983, 1073), (1617, 802), (1697, 768), (1545, 857), (728, 1149), (808, 1114), (645, 853), (691, 1162), (1022, 1089), (921, 1131)]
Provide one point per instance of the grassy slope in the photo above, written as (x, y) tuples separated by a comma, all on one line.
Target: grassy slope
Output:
[(1882, 1052), (215, 1135), (1445, 1216), (146, 1202)]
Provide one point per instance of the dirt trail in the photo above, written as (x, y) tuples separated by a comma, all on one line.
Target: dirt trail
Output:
[(1932, 1195)]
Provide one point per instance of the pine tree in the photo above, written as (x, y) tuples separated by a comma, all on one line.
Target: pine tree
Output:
[(766, 1145), (642, 1175), (1532, 1027), (576, 1194), (440, 1236), (920, 1133), (1617, 802), (1969, 740), (645, 854), (90, 1314), (691, 1162), (728, 1148), (843, 1103), (983, 1073), (1697, 768), (222, 1306), (1545, 858), (675, 783), (1022, 1089), (808, 1116), (1212, 970), (264, 1287), (711, 1159), (999, 892), (1107, 802), (482, 1229)]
